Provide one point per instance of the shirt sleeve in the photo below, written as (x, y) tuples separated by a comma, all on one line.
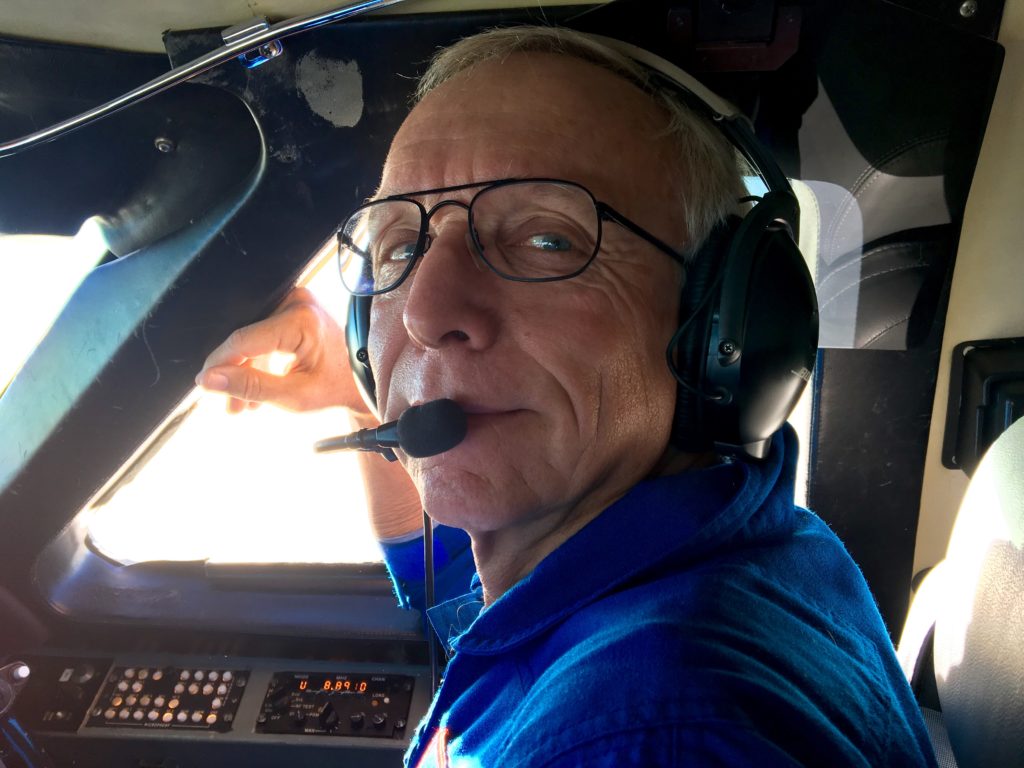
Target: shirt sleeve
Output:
[(453, 566)]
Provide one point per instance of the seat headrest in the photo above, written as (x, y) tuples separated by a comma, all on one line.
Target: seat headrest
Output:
[(979, 631)]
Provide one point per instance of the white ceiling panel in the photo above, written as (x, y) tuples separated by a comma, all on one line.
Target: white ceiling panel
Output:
[(138, 26)]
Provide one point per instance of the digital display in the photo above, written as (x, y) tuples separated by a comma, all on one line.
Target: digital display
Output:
[(334, 684)]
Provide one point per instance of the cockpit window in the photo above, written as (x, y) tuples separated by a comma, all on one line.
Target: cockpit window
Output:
[(245, 488), (38, 274)]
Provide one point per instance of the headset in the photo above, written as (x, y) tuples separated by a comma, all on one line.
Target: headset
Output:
[(748, 321)]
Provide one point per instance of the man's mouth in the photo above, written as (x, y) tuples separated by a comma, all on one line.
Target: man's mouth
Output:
[(475, 407)]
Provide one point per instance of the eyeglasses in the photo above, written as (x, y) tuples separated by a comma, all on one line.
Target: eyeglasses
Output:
[(527, 230)]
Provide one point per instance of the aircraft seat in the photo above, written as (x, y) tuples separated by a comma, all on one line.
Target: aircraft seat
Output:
[(963, 644)]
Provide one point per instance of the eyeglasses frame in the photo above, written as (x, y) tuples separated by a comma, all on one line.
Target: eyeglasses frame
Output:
[(604, 211)]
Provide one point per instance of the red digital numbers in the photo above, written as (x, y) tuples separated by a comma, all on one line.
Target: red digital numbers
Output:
[(337, 685)]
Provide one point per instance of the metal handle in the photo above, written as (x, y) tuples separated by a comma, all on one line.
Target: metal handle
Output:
[(192, 69)]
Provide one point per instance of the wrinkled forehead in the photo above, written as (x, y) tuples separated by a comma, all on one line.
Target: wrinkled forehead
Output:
[(534, 115)]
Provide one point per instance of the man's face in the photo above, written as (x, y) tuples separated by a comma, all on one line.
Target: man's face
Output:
[(568, 396)]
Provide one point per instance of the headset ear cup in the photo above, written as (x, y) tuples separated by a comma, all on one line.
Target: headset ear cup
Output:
[(690, 429), (763, 338), (357, 340), (778, 346)]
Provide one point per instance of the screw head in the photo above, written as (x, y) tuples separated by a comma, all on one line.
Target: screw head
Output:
[(969, 8), (727, 348), (163, 145), (362, 355), (271, 50)]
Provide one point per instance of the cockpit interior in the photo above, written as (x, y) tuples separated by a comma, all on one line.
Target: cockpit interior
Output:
[(182, 587)]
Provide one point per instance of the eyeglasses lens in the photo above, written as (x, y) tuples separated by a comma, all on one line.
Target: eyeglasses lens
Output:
[(536, 230), (377, 245)]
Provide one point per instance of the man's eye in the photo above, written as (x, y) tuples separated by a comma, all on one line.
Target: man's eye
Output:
[(395, 247), (550, 242), (402, 252)]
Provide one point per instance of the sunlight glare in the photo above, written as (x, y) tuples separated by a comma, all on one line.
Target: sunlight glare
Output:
[(38, 275), (279, 363)]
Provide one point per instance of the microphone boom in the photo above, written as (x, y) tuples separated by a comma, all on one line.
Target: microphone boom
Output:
[(423, 430)]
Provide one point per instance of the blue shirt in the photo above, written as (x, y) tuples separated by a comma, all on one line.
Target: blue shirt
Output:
[(701, 620)]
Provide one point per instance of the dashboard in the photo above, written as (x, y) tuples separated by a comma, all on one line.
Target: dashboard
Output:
[(171, 711)]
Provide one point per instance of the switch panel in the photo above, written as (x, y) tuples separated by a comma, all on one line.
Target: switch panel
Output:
[(169, 697)]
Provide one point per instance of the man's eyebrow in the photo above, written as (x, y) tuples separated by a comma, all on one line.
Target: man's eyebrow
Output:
[(434, 191)]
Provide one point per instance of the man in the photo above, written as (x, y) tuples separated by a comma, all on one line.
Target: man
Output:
[(633, 605)]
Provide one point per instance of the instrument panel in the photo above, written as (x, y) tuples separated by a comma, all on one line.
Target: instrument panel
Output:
[(204, 710), (375, 706)]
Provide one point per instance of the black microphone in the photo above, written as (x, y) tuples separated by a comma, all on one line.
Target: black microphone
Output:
[(423, 430)]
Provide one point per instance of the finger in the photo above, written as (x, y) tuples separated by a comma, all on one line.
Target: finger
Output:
[(214, 382), (297, 330), (254, 340), (283, 331), (276, 363), (245, 384)]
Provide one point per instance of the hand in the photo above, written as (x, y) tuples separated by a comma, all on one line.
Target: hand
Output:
[(317, 377)]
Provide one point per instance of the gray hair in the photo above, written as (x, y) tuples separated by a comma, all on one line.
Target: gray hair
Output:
[(708, 163)]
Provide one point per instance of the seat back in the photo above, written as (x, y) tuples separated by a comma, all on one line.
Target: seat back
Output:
[(979, 622)]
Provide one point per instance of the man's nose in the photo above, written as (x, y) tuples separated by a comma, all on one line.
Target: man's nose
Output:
[(452, 298)]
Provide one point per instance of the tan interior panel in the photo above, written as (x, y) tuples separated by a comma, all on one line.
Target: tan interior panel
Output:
[(987, 298)]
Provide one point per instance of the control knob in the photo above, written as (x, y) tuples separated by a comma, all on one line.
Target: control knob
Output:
[(328, 717)]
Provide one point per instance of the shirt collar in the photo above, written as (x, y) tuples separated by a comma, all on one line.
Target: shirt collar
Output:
[(681, 516)]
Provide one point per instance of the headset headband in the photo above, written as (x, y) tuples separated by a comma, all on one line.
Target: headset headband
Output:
[(733, 123)]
